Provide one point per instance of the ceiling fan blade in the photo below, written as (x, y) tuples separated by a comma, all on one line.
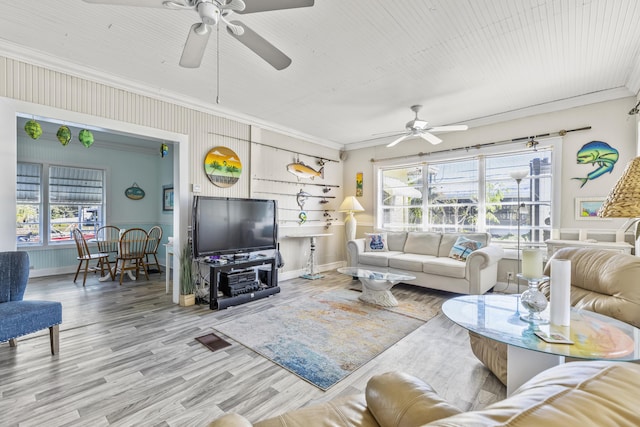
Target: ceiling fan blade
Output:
[(431, 138), (402, 138), (448, 128), (194, 47), (235, 5), (261, 47), (253, 6), (141, 3)]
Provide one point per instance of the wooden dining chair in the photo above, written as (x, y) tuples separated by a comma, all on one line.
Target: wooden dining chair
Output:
[(108, 238), (155, 235), (133, 246), (86, 257)]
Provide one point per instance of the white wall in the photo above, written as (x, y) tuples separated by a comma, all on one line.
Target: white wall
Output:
[(609, 122), (269, 174), (33, 90)]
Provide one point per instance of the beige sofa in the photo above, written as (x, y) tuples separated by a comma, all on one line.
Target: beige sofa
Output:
[(585, 394), (602, 281), (425, 255)]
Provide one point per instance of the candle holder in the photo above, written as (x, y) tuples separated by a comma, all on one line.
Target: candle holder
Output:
[(533, 300)]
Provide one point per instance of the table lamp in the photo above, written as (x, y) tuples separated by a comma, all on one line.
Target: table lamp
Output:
[(624, 200), (350, 205)]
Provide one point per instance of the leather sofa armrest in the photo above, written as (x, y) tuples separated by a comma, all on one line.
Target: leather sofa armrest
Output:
[(231, 420), (399, 400), (354, 249)]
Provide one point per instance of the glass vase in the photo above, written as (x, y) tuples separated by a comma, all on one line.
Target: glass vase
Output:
[(534, 301)]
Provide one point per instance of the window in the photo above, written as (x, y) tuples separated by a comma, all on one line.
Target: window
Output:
[(74, 199), (28, 206), (470, 194)]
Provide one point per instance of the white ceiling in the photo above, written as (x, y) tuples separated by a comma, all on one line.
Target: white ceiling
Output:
[(358, 65)]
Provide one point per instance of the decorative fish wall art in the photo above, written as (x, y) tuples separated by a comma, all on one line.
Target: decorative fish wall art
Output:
[(596, 153), (301, 170)]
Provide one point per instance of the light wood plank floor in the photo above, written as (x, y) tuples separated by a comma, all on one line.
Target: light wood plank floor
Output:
[(128, 356)]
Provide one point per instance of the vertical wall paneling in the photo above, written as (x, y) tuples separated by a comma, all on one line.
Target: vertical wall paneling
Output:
[(57, 95), (270, 155)]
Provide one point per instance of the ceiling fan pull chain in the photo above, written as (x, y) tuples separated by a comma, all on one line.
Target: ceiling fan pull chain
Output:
[(218, 64)]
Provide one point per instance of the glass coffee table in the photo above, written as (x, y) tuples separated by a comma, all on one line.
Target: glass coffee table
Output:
[(497, 317), (376, 285)]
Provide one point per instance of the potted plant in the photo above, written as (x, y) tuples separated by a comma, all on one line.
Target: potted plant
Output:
[(187, 296)]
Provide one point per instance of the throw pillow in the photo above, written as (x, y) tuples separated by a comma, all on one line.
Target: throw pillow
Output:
[(463, 247), (376, 242)]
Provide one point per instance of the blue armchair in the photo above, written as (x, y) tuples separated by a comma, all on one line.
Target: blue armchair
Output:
[(18, 317)]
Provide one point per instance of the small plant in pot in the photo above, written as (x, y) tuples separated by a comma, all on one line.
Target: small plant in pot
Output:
[(187, 296)]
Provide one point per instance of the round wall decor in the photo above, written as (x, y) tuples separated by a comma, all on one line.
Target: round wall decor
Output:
[(222, 166)]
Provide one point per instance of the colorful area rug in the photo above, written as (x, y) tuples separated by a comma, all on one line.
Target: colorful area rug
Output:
[(322, 338)]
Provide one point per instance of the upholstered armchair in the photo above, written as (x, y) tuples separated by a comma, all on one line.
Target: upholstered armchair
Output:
[(19, 317)]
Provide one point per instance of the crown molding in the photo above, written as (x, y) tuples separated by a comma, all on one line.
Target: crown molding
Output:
[(45, 60)]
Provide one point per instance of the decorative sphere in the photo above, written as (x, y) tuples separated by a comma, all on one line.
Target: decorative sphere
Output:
[(533, 300)]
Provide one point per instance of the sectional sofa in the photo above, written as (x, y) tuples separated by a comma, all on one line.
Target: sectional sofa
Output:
[(464, 263)]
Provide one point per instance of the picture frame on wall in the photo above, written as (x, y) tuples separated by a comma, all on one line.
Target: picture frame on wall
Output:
[(587, 208), (359, 184), (167, 198)]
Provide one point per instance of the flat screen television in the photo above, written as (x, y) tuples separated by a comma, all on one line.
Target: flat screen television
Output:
[(224, 225)]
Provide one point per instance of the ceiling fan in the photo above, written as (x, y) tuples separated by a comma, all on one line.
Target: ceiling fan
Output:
[(211, 12), (421, 128)]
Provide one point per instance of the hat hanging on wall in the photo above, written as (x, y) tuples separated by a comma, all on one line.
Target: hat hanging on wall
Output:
[(86, 137), (64, 135), (33, 129)]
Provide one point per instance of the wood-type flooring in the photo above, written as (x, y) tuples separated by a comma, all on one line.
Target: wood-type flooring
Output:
[(128, 357)]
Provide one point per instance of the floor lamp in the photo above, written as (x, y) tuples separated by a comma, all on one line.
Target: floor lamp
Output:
[(624, 200), (518, 176), (350, 205)]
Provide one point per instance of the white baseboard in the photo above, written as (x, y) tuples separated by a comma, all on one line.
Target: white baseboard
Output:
[(509, 288), (292, 274), (53, 271)]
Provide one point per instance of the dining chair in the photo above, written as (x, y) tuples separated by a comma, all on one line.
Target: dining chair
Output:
[(86, 257), (133, 246), (108, 239), (155, 235)]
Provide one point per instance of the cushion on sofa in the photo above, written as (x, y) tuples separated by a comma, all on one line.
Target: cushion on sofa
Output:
[(409, 262), (347, 410), (375, 242), (377, 259), (401, 400), (447, 267), (585, 394), (422, 242), (602, 281), (396, 240), (463, 247), (449, 239)]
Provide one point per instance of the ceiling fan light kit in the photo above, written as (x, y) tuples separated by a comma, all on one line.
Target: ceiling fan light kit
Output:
[(420, 128)]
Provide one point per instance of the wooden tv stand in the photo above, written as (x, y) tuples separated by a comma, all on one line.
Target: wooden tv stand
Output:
[(217, 302)]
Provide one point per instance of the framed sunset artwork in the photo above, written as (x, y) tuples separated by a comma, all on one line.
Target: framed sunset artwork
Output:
[(222, 166)]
